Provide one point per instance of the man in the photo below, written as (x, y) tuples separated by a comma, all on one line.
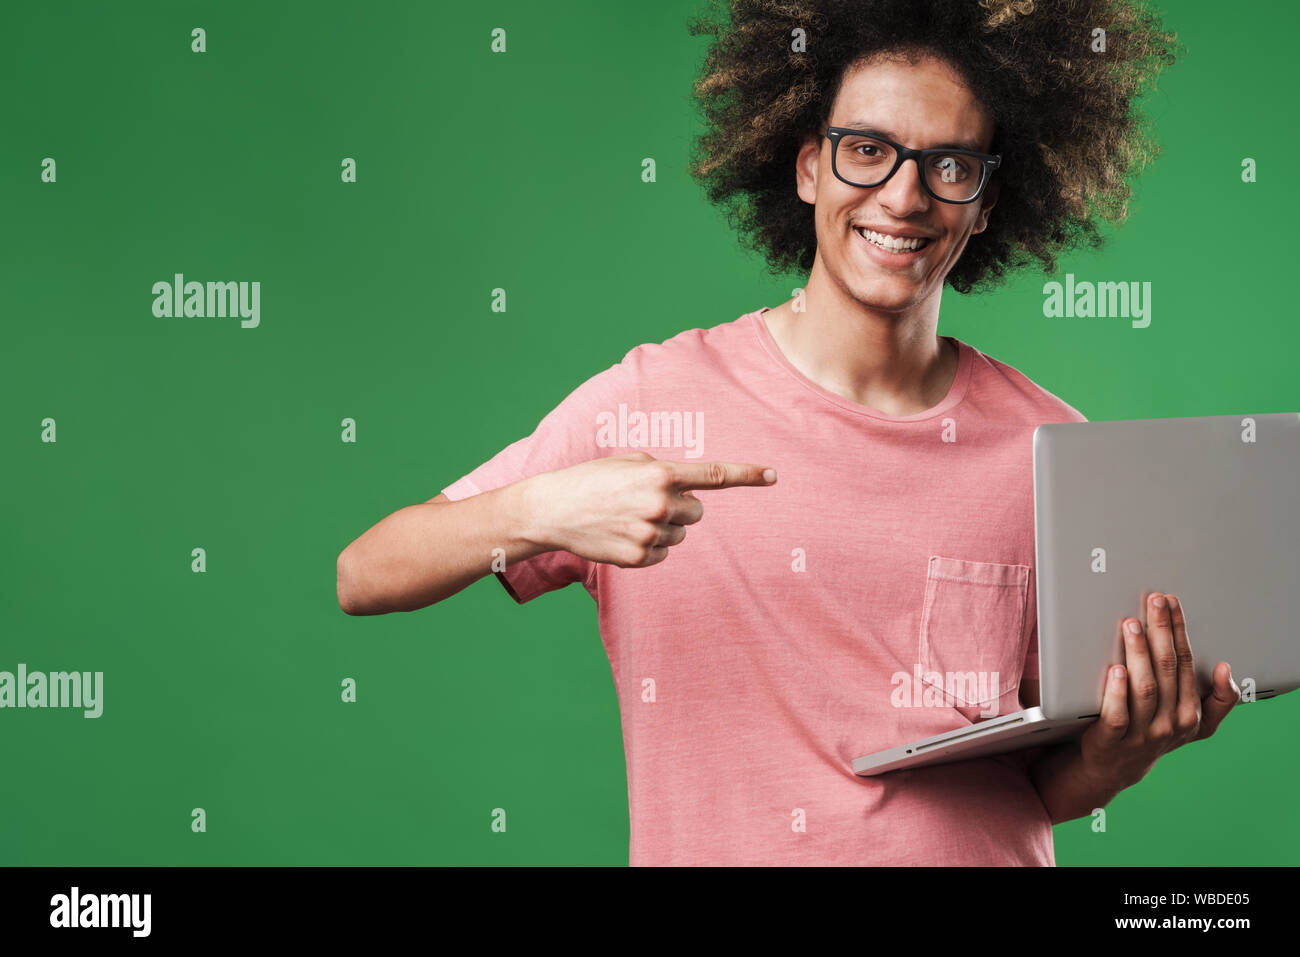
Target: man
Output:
[(857, 488)]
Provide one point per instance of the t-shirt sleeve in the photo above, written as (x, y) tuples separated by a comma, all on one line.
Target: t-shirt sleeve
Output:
[(566, 436)]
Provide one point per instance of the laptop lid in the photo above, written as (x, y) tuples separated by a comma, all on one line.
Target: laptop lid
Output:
[(1206, 508)]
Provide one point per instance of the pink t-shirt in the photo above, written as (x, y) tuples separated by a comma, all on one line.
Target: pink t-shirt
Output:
[(842, 611)]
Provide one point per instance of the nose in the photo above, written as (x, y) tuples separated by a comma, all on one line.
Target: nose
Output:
[(904, 194)]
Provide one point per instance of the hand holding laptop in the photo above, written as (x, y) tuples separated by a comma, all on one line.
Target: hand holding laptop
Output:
[(1210, 508), (1153, 706)]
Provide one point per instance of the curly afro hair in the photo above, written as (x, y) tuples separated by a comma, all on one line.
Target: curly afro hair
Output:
[(1066, 120)]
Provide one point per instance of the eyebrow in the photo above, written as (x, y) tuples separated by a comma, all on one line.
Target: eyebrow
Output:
[(864, 127)]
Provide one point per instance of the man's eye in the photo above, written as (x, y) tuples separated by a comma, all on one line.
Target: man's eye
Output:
[(951, 169)]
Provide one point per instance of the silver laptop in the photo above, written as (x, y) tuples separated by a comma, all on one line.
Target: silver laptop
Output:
[(1206, 508)]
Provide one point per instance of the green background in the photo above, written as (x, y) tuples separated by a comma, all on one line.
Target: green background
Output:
[(222, 689)]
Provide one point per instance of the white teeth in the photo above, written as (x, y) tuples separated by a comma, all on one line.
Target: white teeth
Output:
[(894, 244)]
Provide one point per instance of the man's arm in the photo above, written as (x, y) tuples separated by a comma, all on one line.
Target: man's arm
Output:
[(423, 553), (1148, 709), (1029, 693), (625, 510)]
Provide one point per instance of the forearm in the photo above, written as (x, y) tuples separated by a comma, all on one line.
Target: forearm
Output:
[(1066, 789), (423, 553)]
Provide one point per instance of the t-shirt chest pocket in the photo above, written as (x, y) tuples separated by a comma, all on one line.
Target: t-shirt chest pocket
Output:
[(973, 636)]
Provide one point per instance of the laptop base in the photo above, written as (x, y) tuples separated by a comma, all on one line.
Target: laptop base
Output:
[(1012, 732)]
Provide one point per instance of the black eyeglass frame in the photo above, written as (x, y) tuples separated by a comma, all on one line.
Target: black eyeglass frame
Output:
[(902, 154)]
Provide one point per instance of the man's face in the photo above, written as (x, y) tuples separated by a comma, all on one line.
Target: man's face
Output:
[(920, 105)]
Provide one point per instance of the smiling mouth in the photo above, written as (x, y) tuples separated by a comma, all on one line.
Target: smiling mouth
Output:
[(893, 244)]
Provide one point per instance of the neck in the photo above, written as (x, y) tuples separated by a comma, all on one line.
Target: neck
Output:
[(893, 362)]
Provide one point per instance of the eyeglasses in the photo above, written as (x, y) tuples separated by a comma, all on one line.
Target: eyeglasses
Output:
[(950, 176)]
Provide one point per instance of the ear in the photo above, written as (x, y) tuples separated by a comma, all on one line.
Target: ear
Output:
[(806, 166), (987, 202)]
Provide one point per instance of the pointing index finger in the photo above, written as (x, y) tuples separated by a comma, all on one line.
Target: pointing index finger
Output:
[(691, 475)]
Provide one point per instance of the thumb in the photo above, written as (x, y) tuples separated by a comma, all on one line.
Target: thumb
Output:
[(1222, 699)]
